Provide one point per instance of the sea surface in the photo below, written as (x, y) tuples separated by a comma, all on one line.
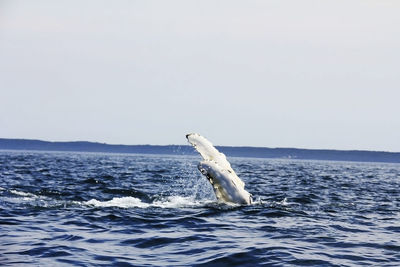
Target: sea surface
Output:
[(88, 209)]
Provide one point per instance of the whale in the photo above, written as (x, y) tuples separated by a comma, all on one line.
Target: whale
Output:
[(227, 186)]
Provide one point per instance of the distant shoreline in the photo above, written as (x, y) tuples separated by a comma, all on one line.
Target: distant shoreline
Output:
[(254, 152)]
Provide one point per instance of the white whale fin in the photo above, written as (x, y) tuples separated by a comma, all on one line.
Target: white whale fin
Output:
[(207, 150), (225, 188), (227, 185), (209, 153)]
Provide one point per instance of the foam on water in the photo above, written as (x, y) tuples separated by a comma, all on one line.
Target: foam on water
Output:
[(23, 194), (132, 202), (121, 202), (172, 202)]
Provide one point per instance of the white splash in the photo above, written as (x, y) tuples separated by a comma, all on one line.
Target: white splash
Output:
[(284, 202), (132, 202), (121, 202), (180, 202)]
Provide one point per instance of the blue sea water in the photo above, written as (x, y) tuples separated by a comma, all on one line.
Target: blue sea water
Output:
[(86, 209)]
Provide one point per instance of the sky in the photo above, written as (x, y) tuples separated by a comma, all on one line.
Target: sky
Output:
[(283, 73)]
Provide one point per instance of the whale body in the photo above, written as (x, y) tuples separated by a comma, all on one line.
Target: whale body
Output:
[(228, 187)]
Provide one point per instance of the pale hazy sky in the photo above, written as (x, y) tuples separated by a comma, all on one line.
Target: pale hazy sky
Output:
[(307, 74)]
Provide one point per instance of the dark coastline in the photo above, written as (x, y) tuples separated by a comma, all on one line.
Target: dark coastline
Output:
[(254, 152)]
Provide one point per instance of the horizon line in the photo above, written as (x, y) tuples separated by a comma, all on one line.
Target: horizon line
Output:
[(240, 146)]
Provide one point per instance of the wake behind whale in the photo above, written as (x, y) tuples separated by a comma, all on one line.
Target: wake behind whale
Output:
[(228, 187)]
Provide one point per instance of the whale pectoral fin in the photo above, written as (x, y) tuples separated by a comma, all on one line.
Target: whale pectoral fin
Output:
[(215, 167)]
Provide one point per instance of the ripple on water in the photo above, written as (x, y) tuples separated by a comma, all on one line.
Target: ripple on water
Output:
[(87, 209)]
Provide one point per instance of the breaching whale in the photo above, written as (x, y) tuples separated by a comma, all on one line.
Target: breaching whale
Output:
[(215, 167)]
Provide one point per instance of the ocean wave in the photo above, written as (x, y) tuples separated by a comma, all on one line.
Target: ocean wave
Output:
[(23, 194), (61, 209)]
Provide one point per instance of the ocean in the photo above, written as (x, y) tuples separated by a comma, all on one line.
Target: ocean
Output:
[(99, 209)]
